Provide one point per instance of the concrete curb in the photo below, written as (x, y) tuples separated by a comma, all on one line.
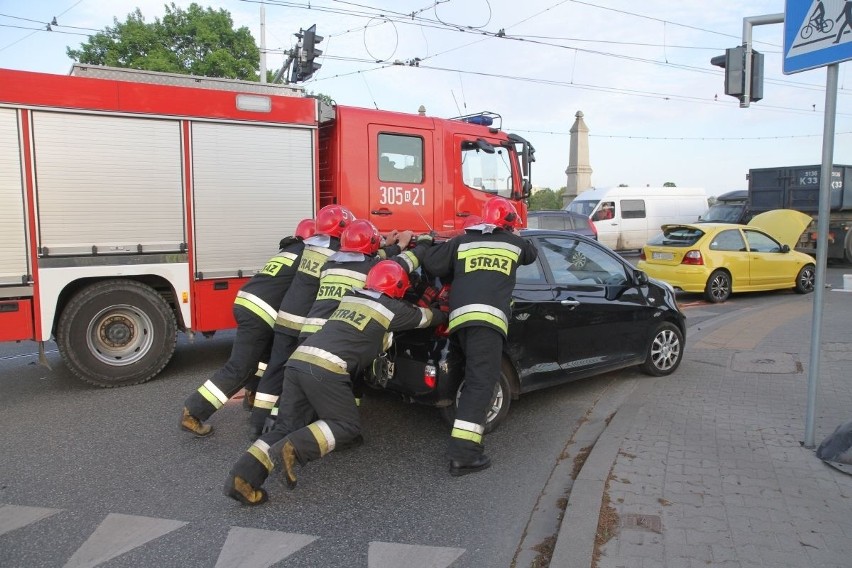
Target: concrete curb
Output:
[(576, 541)]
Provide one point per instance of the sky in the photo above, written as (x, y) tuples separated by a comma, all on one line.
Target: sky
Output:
[(639, 71)]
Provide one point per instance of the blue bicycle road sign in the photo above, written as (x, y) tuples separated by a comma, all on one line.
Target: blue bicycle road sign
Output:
[(816, 33)]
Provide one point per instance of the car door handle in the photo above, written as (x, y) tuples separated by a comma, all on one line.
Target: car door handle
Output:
[(382, 211), (571, 303)]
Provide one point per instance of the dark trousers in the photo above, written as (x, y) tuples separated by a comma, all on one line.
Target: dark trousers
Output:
[(483, 351), (317, 414), (252, 344), (272, 381)]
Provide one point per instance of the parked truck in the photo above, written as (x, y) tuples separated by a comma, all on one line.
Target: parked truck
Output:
[(134, 205), (796, 188)]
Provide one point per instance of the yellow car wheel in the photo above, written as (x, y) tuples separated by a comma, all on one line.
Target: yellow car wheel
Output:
[(806, 279), (718, 288)]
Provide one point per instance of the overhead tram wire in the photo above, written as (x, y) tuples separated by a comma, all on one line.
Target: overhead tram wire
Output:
[(575, 85), (461, 29), (62, 13), (683, 138)]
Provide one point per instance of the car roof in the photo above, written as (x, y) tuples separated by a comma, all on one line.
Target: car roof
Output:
[(559, 212), (556, 233)]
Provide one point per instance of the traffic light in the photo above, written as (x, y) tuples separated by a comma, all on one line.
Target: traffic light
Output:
[(307, 64), (733, 62)]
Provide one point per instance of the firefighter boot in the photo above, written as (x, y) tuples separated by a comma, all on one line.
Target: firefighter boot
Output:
[(192, 424), (241, 490), (285, 458), (248, 400), (480, 462)]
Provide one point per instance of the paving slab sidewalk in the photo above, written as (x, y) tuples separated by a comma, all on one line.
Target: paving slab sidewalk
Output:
[(706, 467)]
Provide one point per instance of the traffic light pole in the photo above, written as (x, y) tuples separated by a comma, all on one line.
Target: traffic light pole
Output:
[(748, 23)]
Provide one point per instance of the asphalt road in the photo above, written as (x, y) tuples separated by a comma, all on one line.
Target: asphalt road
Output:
[(104, 477)]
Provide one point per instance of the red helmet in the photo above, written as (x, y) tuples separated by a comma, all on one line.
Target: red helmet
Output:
[(306, 229), (389, 278), (471, 220), (360, 236), (501, 212), (332, 219)]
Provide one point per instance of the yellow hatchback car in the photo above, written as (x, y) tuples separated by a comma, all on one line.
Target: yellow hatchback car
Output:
[(720, 258)]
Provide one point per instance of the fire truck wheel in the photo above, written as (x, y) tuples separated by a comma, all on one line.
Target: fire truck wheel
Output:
[(499, 403), (116, 333)]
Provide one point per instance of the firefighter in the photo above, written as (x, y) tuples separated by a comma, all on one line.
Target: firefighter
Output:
[(348, 268), (481, 264), (254, 312), (331, 220), (318, 413)]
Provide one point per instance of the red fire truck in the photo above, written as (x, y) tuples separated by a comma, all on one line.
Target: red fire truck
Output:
[(135, 204)]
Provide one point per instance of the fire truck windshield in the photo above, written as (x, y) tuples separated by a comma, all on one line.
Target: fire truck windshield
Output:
[(488, 172)]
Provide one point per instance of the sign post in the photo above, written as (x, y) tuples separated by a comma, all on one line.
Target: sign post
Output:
[(817, 34)]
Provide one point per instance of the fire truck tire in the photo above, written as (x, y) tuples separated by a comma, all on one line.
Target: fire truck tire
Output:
[(116, 333), (499, 403)]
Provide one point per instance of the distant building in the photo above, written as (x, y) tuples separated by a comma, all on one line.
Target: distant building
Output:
[(579, 170)]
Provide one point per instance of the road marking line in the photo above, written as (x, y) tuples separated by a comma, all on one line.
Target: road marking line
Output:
[(118, 534), (13, 517), (258, 548), (393, 555)]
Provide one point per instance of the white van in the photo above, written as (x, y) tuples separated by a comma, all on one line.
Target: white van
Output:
[(626, 217)]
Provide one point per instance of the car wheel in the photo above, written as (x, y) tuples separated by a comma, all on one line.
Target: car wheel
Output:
[(664, 352), (806, 279), (499, 402), (718, 287)]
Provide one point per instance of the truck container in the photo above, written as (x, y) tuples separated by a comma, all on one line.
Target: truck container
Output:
[(798, 188)]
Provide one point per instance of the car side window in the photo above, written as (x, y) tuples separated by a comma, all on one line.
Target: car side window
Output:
[(573, 261), (632, 208), (554, 222), (758, 242), (531, 273), (730, 240)]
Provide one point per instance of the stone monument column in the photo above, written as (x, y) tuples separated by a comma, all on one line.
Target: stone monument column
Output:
[(579, 171)]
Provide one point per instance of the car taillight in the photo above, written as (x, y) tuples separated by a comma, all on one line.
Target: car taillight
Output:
[(642, 254), (693, 257), (429, 376)]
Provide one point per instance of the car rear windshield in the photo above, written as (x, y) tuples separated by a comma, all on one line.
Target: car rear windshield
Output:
[(677, 237)]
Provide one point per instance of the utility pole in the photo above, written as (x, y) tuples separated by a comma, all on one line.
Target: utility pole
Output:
[(262, 43)]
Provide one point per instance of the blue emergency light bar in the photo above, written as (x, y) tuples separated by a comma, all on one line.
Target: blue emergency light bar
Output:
[(485, 118)]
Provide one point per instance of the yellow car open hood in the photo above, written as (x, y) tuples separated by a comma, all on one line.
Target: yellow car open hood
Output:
[(786, 225)]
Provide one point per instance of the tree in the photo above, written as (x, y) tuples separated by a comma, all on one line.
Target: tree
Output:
[(669, 184), (196, 41), (545, 199)]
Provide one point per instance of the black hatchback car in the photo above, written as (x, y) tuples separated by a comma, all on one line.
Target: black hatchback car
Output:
[(579, 310)]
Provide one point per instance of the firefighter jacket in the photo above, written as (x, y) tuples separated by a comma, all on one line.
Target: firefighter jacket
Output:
[(481, 264), (347, 270), (300, 297), (358, 331), (263, 293)]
